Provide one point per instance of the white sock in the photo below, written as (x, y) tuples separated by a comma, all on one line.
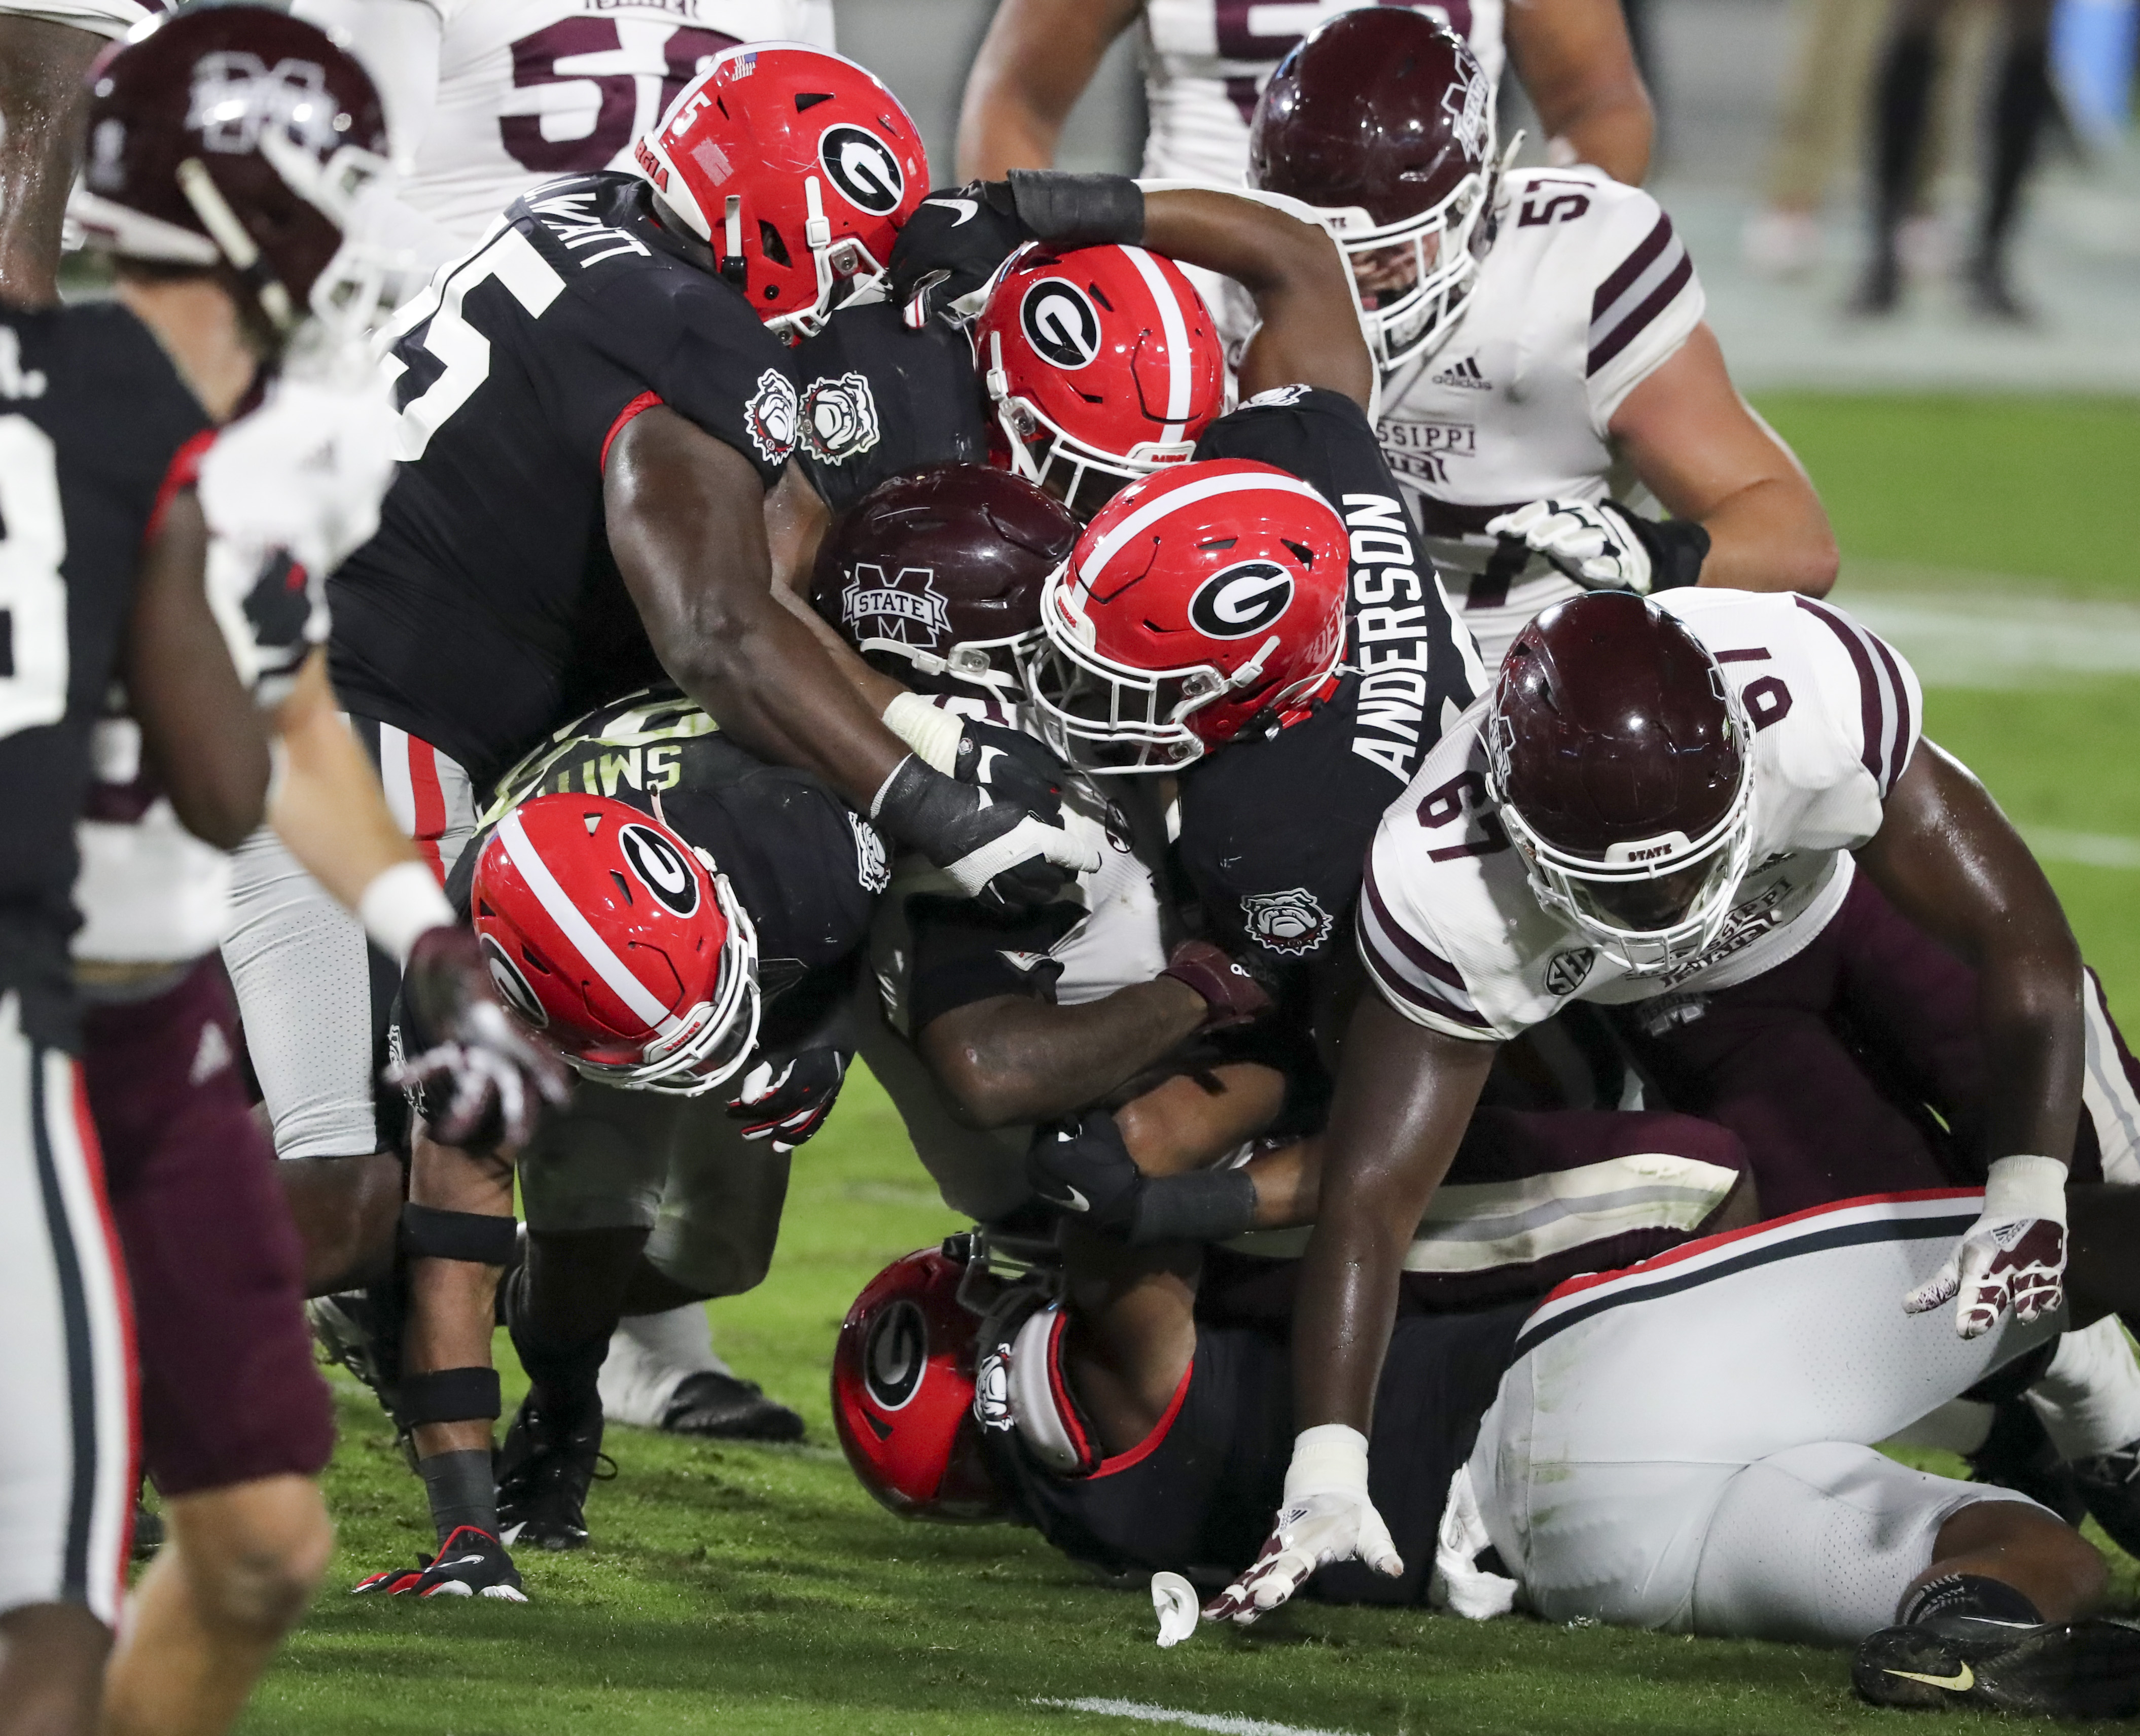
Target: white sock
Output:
[(2090, 1397), (650, 1356)]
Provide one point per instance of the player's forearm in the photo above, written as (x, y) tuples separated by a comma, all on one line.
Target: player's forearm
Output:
[(1578, 66), (2029, 1004), (877, 690), (1007, 1060), (1032, 66), (329, 808), (1309, 334), (1347, 1302), (1771, 535), (999, 130)]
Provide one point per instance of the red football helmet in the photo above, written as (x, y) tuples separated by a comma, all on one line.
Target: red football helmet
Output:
[(1199, 599), (797, 166), (1622, 762), (903, 1382), (1383, 120), (241, 136), (935, 576), (618, 941), (1103, 360)]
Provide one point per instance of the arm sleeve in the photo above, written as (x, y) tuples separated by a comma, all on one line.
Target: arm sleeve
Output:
[(962, 955), (1648, 302)]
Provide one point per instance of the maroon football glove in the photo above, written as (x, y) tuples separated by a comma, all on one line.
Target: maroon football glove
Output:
[(1234, 993)]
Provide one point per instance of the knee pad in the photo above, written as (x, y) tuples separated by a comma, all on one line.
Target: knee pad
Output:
[(1817, 1544)]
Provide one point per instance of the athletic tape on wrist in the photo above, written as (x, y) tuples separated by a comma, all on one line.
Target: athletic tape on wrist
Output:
[(449, 1395), (476, 1236), (1078, 210), (1207, 1205), (399, 904), (932, 732), (1328, 1459), (2026, 1187)]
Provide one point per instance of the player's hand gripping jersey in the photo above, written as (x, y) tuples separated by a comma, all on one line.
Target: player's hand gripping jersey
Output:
[(1457, 940), (1585, 292), (1275, 829), (1206, 61), (488, 605)]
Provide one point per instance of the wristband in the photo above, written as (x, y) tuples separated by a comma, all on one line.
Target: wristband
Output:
[(399, 905), (1328, 1459), (1078, 210), (428, 1232), (932, 732), (2026, 1187), (1676, 546)]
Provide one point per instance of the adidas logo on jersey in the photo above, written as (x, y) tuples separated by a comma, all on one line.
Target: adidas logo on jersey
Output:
[(1465, 374)]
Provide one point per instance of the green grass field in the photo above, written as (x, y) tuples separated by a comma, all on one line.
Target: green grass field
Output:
[(742, 1589)]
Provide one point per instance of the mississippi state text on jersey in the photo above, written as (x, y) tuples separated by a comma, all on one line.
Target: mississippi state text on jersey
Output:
[(1274, 829), (1207, 60), (528, 89), (487, 610), (1585, 292), (94, 422), (807, 868), (1457, 941)]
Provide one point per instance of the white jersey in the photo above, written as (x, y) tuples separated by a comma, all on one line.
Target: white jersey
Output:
[(1457, 941), (1207, 61), (1584, 294), (108, 18), (528, 89)]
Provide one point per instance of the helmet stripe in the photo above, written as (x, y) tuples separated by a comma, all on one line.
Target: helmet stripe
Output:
[(1173, 500), (576, 929), (1180, 373)]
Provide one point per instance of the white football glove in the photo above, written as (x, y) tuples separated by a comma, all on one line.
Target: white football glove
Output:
[(1594, 545), (1327, 1518), (2013, 1256), (304, 473)]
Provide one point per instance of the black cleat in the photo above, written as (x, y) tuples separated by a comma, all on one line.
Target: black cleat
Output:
[(2017, 1455), (544, 1469), (361, 1329), (2108, 1486), (2086, 1669), (722, 1407)]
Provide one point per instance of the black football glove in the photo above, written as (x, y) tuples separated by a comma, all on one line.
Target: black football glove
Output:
[(955, 241), (1012, 766), (951, 246), (787, 1102), (1080, 1167), (470, 1563), (472, 1072), (996, 849)]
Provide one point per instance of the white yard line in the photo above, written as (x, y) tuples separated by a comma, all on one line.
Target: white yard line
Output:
[(1970, 638), (1225, 1726)]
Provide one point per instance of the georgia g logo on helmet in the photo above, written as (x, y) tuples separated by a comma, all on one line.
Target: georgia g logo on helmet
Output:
[(512, 986), (862, 166), (1241, 600), (896, 1355), (660, 868), (1060, 323)]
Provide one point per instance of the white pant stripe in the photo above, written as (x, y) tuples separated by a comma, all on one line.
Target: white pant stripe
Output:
[(2107, 1095)]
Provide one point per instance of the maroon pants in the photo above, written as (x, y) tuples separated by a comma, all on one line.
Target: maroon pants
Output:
[(229, 1393), (1855, 1068)]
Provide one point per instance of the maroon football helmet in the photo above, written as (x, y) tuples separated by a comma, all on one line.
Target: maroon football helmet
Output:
[(904, 1378), (1622, 762), (1383, 120), (935, 576), (241, 136)]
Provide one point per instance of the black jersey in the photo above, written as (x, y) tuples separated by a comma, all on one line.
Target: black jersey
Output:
[(1275, 828), (488, 610), (805, 867), (1196, 1498), (95, 427), (878, 399)]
